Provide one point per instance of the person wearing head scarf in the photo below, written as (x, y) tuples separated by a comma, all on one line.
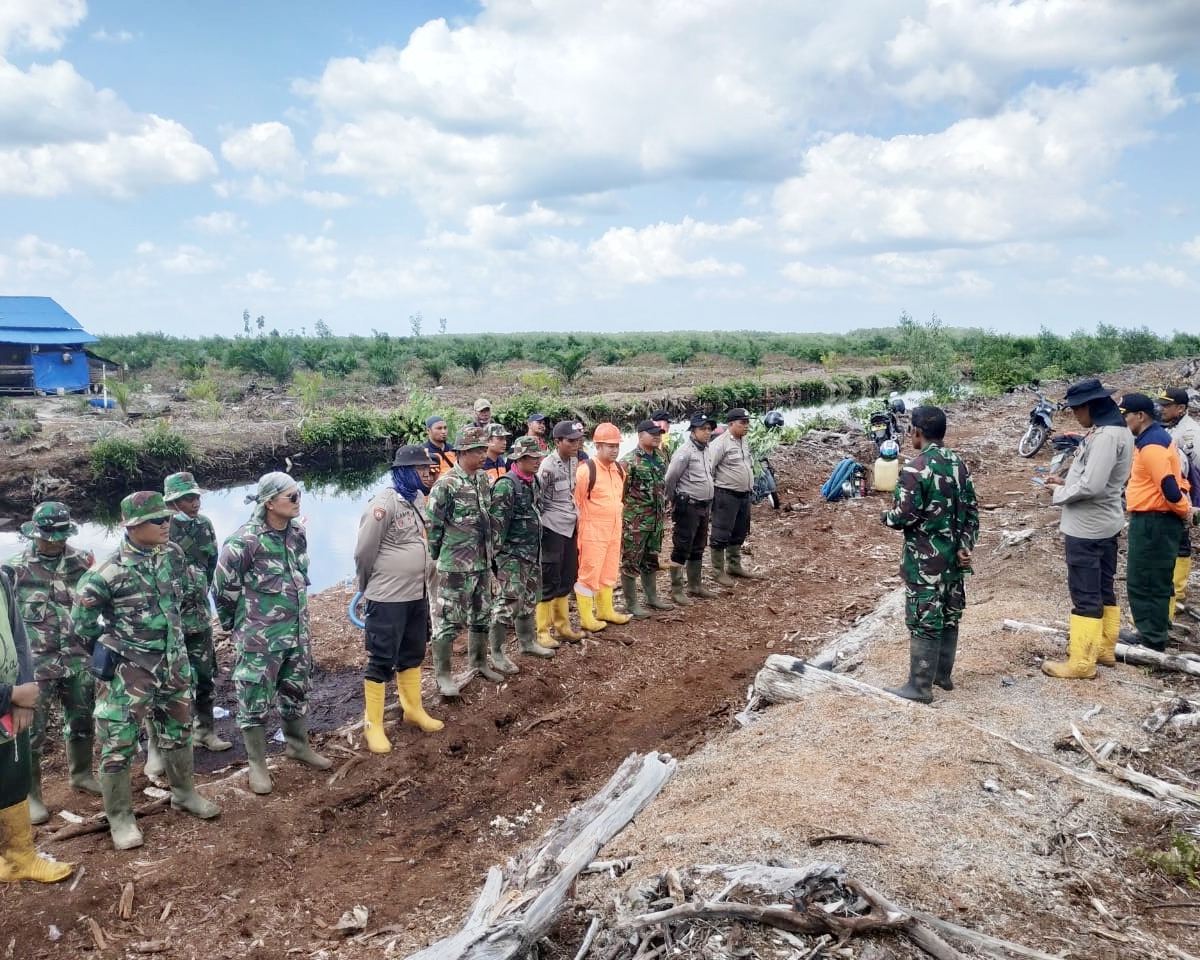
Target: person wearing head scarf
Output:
[(261, 592), (391, 557)]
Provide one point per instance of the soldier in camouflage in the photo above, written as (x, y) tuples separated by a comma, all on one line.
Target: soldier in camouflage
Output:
[(460, 544), (127, 608), (261, 591), (643, 519), (935, 507), (517, 541), (196, 537), (44, 576)]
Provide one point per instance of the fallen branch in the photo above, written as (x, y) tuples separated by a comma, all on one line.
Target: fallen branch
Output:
[(861, 633), (1152, 785), (844, 838), (101, 824)]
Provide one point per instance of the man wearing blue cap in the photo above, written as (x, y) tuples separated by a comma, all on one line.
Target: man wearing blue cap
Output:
[(535, 426)]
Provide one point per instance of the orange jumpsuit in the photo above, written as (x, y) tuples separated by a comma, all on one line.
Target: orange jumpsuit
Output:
[(599, 526)]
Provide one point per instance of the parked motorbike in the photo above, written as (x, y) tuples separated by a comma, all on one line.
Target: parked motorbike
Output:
[(885, 424), (1041, 422), (764, 485)]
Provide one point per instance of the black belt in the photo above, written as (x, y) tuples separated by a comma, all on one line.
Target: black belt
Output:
[(740, 494)]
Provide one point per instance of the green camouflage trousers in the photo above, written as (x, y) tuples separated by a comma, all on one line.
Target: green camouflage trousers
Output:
[(77, 694), (266, 670), (163, 694), (464, 599), (639, 550), (516, 589), (204, 670), (928, 610)]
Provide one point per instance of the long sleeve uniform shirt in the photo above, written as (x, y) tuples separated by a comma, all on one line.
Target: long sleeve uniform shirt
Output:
[(556, 494), (689, 472), (1156, 482), (729, 458), (1090, 495), (391, 555)]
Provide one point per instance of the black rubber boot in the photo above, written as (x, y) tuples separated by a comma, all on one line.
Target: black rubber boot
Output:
[(945, 661), (922, 661)]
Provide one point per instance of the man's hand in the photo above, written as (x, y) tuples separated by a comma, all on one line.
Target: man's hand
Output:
[(25, 695), (964, 557), (1053, 481), (22, 719)]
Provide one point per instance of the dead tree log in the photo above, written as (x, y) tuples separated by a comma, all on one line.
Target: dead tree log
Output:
[(519, 905), (862, 633), (1152, 785)]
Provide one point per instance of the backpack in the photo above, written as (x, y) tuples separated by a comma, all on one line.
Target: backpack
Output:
[(591, 465), (847, 480)]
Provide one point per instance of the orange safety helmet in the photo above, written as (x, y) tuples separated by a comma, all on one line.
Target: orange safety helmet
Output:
[(606, 433)]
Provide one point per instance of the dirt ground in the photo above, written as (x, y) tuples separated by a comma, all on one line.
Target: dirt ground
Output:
[(975, 831)]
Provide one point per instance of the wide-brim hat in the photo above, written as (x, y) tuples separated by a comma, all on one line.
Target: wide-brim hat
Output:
[(1085, 391), (51, 522), (412, 455)]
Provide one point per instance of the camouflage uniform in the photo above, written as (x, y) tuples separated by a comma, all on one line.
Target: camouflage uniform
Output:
[(934, 505), (198, 540), (517, 538), (261, 591), (139, 594), (645, 511)]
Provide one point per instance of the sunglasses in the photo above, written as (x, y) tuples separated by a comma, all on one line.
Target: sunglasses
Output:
[(159, 521), (293, 497)]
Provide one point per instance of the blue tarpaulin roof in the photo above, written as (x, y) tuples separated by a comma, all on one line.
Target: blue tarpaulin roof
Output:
[(39, 320)]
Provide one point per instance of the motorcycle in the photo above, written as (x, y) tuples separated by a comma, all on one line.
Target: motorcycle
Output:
[(1041, 422), (885, 424), (764, 485)]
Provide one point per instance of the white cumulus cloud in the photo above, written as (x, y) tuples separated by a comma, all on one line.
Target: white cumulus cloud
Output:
[(38, 24), (268, 148), (665, 251)]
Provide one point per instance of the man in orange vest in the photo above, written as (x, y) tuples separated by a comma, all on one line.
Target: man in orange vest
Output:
[(599, 483)]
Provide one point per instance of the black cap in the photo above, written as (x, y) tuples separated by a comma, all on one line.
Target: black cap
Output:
[(701, 419), (1175, 395), (1136, 403), (568, 430), (413, 455), (736, 413), (1084, 392), (649, 426), (661, 415)]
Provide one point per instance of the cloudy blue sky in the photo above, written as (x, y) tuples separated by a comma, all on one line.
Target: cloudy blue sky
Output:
[(614, 165)]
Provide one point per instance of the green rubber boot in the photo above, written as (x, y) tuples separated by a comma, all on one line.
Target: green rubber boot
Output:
[(922, 662), (180, 769), (79, 766), (696, 587), (678, 591), (650, 589), (527, 638), (37, 809), (477, 646), (255, 739), (629, 588), (117, 791), (717, 556), (295, 731), (497, 634), (733, 564), (154, 766)]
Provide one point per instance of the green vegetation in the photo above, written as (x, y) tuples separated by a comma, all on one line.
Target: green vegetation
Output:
[(1181, 859), (157, 450)]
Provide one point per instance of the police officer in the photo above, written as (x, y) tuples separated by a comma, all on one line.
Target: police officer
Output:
[(460, 543), (261, 589), (733, 481), (934, 506), (690, 493), (129, 606), (391, 558), (560, 534), (44, 576), (196, 537), (1186, 433), (643, 519)]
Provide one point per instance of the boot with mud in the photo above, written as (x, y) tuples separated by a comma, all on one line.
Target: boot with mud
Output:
[(678, 590), (408, 686), (922, 661), (717, 556), (544, 612), (629, 588), (255, 739), (79, 766), (1087, 633), (441, 668), (118, 809), (696, 585), (587, 619), (497, 634), (528, 641), (203, 735), (650, 589), (1110, 629), (18, 859), (295, 731), (1179, 582), (562, 621), (606, 611), (181, 775), (477, 648), (945, 662), (733, 565), (374, 695), (38, 813), (154, 765)]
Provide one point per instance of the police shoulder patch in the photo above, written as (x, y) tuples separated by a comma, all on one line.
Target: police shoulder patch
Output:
[(379, 513)]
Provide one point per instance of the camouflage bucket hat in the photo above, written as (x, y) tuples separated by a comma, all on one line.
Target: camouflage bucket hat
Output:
[(143, 506), (179, 485), (471, 438), (525, 447), (51, 521), (497, 430)]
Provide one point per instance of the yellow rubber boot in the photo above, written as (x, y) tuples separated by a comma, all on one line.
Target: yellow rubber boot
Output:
[(587, 619), (1183, 570), (374, 694), (1082, 646), (605, 610), (1106, 655), (562, 621), (18, 859), (408, 685), (544, 612)]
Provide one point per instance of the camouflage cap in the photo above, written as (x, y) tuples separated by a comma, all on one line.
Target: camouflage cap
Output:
[(51, 521), (471, 438), (143, 506), (525, 447), (497, 430), (179, 485)]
